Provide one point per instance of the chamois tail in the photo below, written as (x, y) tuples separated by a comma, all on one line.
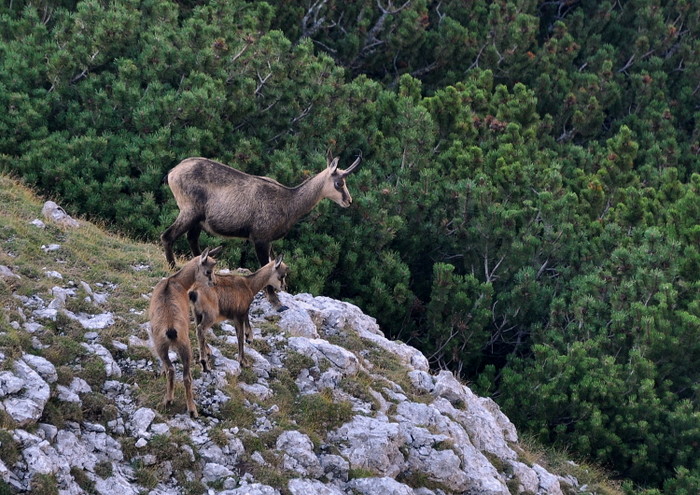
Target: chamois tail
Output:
[(171, 333), (193, 295)]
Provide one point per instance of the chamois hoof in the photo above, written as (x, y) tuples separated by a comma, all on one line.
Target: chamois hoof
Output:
[(193, 414)]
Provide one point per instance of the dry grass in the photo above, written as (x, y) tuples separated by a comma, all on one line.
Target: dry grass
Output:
[(597, 480)]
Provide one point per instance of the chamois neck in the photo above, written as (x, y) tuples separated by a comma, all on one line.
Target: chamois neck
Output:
[(306, 196), (185, 276), (259, 279)]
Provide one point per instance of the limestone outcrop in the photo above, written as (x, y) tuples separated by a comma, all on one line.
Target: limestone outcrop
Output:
[(409, 431)]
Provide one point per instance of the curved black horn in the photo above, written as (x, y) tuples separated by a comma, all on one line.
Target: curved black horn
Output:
[(354, 165)]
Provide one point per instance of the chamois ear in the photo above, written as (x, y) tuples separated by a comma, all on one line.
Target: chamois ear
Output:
[(204, 255), (278, 261), (333, 164)]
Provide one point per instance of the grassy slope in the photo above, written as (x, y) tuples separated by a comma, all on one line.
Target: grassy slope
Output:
[(108, 263)]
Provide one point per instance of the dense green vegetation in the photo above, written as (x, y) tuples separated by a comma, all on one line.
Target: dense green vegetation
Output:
[(527, 211)]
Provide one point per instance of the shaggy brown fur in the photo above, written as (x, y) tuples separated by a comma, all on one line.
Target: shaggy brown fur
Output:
[(229, 298), (169, 313), (227, 202)]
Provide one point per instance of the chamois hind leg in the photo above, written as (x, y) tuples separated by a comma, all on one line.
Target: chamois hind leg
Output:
[(183, 223), (169, 372), (193, 239), (238, 323), (264, 252), (185, 352)]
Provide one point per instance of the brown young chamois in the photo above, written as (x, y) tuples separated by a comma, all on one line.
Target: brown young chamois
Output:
[(229, 298), (227, 202), (169, 313)]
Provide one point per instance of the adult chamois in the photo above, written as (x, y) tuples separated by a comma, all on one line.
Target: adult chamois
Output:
[(169, 313), (227, 202), (229, 298)]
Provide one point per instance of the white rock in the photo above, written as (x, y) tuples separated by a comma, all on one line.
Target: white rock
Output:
[(298, 454), (375, 486), (371, 443), (443, 466), (28, 404), (334, 467), (54, 212), (320, 350), (75, 452), (23, 411), (528, 480), (299, 486), (5, 272), (296, 321), (213, 471), (67, 395), (549, 484), (141, 420), (251, 489), (9, 383), (47, 432), (118, 483), (80, 386), (43, 366), (421, 380), (160, 429), (258, 390), (93, 322), (40, 457), (485, 432), (111, 366), (230, 366)]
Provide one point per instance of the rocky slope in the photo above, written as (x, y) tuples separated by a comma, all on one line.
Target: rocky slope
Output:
[(330, 406)]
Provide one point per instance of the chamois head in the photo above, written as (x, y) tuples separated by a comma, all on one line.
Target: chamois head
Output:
[(278, 276), (335, 188), (204, 274)]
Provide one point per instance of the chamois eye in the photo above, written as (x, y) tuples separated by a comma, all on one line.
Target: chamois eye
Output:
[(339, 184)]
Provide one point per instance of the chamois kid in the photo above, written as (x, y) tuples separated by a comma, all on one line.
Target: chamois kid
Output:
[(229, 298), (227, 202), (169, 313)]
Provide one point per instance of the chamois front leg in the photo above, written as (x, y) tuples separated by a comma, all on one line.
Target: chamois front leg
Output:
[(205, 356), (248, 330)]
